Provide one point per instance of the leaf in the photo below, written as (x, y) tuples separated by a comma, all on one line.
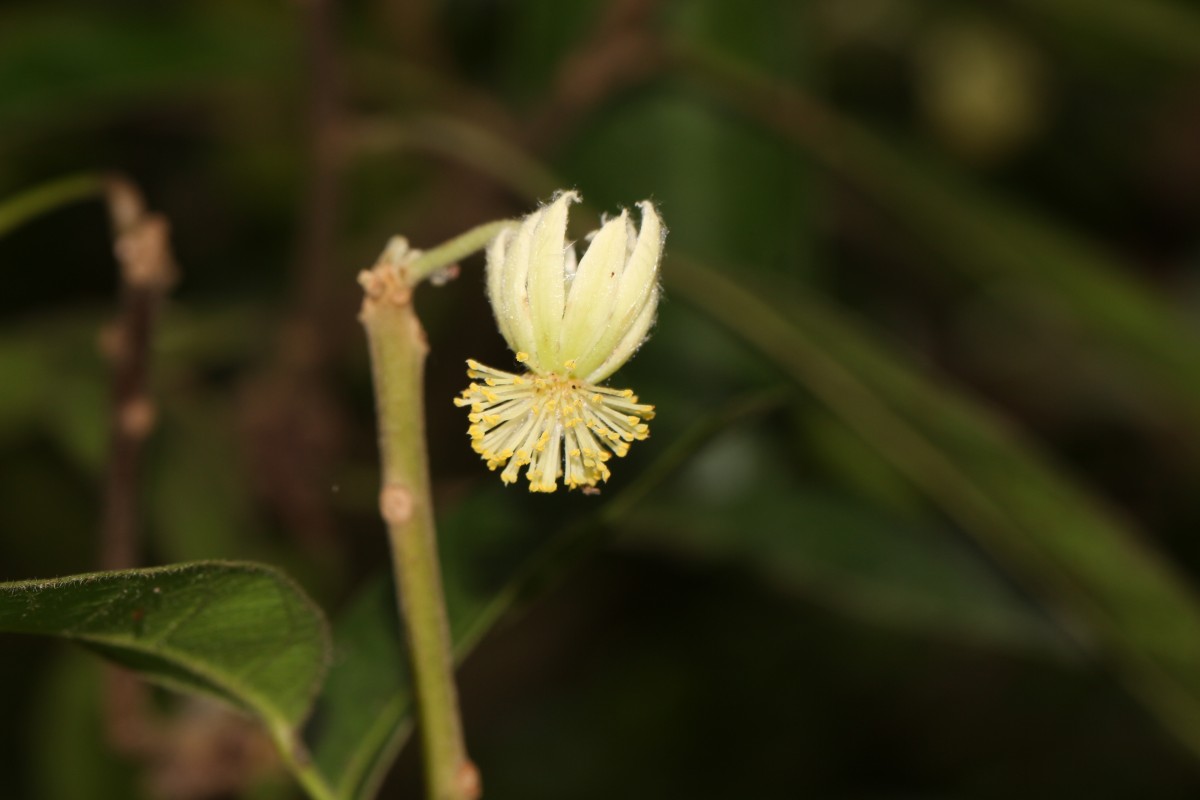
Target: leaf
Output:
[(71, 729), (23, 363), (74, 411), (1157, 28), (363, 716), (239, 631), (196, 485), (1107, 588), (56, 66), (1088, 289), (741, 501)]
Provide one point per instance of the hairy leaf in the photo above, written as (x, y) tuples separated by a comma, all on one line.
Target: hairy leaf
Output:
[(242, 632)]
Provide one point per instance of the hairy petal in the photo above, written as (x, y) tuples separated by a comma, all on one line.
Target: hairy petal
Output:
[(594, 290), (547, 280), (496, 253), (514, 290), (637, 286), (629, 345)]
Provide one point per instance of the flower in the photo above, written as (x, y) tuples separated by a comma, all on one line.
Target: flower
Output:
[(571, 324)]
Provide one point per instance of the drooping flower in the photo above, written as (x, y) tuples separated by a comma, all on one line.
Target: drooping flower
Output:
[(571, 323)]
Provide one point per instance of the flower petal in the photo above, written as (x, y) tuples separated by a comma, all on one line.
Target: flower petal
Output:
[(630, 343), (495, 281), (637, 286), (514, 290), (547, 280), (594, 290)]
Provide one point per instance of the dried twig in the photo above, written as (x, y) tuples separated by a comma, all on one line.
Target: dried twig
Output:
[(205, 750), (147, 273)]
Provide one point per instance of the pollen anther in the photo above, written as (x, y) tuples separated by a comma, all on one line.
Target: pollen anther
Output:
[(534, 420)]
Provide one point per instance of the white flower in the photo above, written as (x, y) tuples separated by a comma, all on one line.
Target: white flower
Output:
[(571, 324)]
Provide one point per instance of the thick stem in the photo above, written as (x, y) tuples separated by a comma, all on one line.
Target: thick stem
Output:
[(398, 349)]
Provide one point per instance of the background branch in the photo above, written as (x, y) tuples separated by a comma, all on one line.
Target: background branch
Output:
[(147, 272)]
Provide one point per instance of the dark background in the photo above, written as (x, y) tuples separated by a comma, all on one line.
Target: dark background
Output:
[(1003, 195)]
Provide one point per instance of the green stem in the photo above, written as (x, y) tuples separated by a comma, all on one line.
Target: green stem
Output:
[(398, 349), (17, 210), (298, 763), (427, 263)]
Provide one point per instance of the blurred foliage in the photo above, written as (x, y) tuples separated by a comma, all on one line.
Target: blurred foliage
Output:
[(918, 514)]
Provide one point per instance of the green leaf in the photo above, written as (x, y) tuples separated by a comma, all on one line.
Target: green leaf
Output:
[(71, 730), (1106, 587), (238, 631), (741, 501), (1089, 290), (23, 363), (363, 716), (59, 67), (1162, 29), (198, 500)]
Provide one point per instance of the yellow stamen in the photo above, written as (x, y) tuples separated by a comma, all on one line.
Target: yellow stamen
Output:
[(555, 426)]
